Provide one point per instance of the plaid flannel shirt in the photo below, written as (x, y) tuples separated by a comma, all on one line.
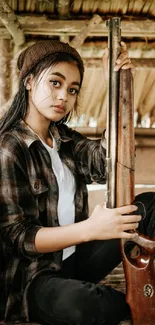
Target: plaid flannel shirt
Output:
[(28, 201)]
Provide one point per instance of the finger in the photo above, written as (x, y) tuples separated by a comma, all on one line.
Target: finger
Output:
[(130, 226), (128, 235), (126, 209), (122, 57), (125, 62), (130, 218), (127, 66)]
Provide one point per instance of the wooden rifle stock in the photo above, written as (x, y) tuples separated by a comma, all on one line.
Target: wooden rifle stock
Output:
[(139, 269)]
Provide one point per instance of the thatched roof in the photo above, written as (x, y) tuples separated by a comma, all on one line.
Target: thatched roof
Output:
[(70, 8), (82, 23)]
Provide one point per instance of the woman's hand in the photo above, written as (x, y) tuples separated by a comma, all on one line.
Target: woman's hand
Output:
[(107, 223), (123, 61)]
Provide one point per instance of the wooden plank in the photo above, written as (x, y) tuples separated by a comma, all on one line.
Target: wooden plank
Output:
[(42, 25), (145, 166), (95, 50), (138, 63), (136, 50), (144, 137)]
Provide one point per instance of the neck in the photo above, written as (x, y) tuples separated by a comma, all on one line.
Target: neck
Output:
[(40, 126)]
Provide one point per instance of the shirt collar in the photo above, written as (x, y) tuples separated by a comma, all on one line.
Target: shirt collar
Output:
[(29, 136)]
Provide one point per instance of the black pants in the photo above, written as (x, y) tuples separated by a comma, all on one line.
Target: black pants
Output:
[(73, 295)]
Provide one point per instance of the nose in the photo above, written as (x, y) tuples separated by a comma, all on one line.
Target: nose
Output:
[(63, 94)]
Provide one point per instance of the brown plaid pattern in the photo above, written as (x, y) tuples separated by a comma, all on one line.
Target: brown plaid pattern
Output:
[(28, 201)]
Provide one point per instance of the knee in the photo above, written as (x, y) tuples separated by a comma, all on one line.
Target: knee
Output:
[(147, 198)]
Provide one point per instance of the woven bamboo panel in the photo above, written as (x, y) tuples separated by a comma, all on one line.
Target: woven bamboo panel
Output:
[(116, 279)]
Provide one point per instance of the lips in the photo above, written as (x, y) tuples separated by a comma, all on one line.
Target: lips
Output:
[(59, 108)]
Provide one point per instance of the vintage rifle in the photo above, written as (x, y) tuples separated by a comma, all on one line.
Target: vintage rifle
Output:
[(139, 268)]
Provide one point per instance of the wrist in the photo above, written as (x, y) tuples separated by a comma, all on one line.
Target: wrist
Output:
[(86, 233)]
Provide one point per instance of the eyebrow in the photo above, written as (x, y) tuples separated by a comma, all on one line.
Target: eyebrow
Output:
[(63, 77)]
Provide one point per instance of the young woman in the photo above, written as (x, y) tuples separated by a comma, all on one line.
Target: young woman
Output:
[(53, 255)]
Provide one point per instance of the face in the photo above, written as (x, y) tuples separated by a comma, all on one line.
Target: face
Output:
[(53, 95)]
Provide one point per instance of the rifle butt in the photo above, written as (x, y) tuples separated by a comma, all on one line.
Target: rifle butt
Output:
[(140, 275)]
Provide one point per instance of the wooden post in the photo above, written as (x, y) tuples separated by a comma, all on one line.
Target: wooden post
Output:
[(14, 71), (85, 31), (11, 22), (5, 70)]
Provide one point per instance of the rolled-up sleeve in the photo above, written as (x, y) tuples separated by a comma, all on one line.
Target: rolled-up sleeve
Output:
[(18, 209)]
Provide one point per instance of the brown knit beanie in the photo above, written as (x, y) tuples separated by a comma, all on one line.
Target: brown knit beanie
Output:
[(31, 56)]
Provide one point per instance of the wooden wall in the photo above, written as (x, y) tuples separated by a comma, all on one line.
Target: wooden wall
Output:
[(145, 165), (144, 177)]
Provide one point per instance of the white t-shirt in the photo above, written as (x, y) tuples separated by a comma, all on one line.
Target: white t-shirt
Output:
[(66, 185)]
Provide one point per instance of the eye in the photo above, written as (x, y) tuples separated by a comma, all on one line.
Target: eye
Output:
[(55, 83), (73, 91)]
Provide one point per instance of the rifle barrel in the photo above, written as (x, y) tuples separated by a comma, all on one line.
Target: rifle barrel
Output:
[(114, 40)]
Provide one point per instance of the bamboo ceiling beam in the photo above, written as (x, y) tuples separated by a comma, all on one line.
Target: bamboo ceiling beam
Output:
[(63, 8), (94, 53), (85, 31), (42, 25), (12, 24), (94, 49), (138, 63)]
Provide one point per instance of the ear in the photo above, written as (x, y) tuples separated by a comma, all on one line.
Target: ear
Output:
[(28, 82)]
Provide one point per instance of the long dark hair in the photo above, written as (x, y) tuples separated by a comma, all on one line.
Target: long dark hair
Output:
[(18, 108)]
